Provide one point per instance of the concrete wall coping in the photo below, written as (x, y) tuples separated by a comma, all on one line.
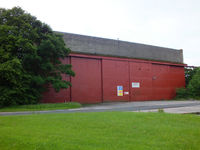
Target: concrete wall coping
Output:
[(110, 47)]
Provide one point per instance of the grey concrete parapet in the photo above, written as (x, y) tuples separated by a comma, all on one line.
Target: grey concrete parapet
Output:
[(101, 46)]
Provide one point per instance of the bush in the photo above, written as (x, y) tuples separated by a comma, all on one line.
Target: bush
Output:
[(182, 93)]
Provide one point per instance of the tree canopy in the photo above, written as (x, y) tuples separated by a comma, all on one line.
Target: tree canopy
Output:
[(189, 73), (192, 89), (194, 84), (30, 58)]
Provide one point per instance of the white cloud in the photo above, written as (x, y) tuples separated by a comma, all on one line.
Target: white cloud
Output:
[(167, 23)]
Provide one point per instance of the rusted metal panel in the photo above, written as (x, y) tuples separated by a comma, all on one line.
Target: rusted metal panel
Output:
[(86, 85), (115, 73)]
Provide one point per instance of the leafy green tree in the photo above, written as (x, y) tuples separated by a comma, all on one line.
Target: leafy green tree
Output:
[(189, 73), (194, 85), (192, 90), (30, 58)]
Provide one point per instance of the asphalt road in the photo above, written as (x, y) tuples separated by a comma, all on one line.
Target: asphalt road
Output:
[(117, 106)]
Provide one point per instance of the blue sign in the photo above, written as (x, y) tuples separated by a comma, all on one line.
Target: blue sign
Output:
[(119, 87)]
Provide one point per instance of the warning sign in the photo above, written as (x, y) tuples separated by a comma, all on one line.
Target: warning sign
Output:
[(135, 84), (119, 90)]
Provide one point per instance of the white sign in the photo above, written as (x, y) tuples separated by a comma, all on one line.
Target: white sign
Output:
[(135, 84), (126, 93)]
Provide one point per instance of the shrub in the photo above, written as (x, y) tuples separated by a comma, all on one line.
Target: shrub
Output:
[(182, 93)]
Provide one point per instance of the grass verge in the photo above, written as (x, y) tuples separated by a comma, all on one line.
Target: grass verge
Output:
[(100, 131), (38, 107)]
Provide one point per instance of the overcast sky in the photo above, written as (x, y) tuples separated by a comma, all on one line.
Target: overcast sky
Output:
[(167, 23)]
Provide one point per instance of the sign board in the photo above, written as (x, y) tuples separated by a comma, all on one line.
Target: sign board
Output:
[(119, 90), (126, 93), (135, 85)]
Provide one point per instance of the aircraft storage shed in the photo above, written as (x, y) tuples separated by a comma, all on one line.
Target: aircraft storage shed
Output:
[(113, 70)]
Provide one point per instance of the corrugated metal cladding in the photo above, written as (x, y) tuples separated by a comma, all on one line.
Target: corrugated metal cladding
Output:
[(98, 79)]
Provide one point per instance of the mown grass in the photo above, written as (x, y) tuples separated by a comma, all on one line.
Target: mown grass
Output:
[(100, 131), (38, 107)]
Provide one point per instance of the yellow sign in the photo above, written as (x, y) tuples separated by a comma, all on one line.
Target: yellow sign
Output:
[(119, 90)]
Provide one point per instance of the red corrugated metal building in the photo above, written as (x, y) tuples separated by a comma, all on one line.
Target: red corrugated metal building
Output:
[(111, 70)]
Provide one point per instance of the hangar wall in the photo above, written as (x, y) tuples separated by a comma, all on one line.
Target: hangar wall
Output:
[(87, 82), (98, 77)]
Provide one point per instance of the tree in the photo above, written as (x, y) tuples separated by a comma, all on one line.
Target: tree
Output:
[(194, 85), (192, 90), (30, 58), (189, 73)]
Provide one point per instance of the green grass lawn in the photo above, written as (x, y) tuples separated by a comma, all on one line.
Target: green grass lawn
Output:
[(39, 107), (100, 131)]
